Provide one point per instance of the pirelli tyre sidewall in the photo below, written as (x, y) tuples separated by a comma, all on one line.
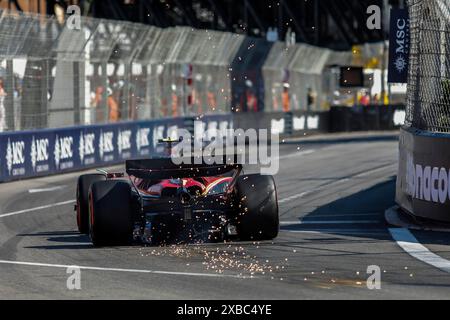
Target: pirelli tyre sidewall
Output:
[(110, 214), (257, 204), (83, 186)]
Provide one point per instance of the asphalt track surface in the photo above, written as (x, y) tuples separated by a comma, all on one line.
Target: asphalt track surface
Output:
[(332, 200)]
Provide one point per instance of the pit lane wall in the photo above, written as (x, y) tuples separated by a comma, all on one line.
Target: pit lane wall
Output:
[(423, 182), (28, 154)]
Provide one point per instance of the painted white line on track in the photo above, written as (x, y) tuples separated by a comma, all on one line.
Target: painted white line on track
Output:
[(58, 204), (41, 190), (346, 215), (305, 222), (190, 274), (298, 154), (365, 174), (294, 197), (337, 230), (406, 240)]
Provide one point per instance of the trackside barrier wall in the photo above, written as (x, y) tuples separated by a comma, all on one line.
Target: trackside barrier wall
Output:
[(366, 118), (37, 153), (423, 183), (26, 154), (338, 119), (285, 124)]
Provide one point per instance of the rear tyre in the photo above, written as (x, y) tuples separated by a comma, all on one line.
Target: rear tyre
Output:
[(258, 208), (110, 213), (83, 185)]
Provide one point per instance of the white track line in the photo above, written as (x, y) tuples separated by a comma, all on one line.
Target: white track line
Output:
[(41, 190), (406, 240), (337, 231), (298, 154), (346, 215), (63, 266), (304, 222), (294, 197), (58, 204)]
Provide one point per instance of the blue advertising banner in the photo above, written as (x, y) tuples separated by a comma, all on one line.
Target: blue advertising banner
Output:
[(28, 154), (399, 40)]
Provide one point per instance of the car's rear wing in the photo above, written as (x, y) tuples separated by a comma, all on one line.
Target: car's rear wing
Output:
[(166, 168)]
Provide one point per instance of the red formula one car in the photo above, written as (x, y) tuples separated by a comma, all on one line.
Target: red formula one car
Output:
[(159, 202)]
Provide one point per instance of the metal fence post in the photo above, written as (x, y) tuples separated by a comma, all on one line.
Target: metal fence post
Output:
[(104, 83), (9, 99), (43, 122), (76, 93)]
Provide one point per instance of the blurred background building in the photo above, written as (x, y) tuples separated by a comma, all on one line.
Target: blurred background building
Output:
[(336, 24)]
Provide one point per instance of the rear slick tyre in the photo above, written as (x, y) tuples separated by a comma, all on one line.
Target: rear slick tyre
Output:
[(83, 186), (110, 214), (258, 217)]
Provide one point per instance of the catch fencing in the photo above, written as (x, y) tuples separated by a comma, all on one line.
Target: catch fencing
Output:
[(429, 78), (53, 75), (423, 182)]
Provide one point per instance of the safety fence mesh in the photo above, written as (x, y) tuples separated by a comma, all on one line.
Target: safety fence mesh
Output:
[(428, 99), (54, 74)]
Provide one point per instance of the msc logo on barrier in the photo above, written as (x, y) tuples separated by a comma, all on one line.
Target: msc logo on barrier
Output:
[(142, 141), (106, 146), (158, 133), (427, 183), (63, 152), (86, 148), (15, 156), (30, 154), (399, 41), (124, 143), (40, 154), (400, 61)]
